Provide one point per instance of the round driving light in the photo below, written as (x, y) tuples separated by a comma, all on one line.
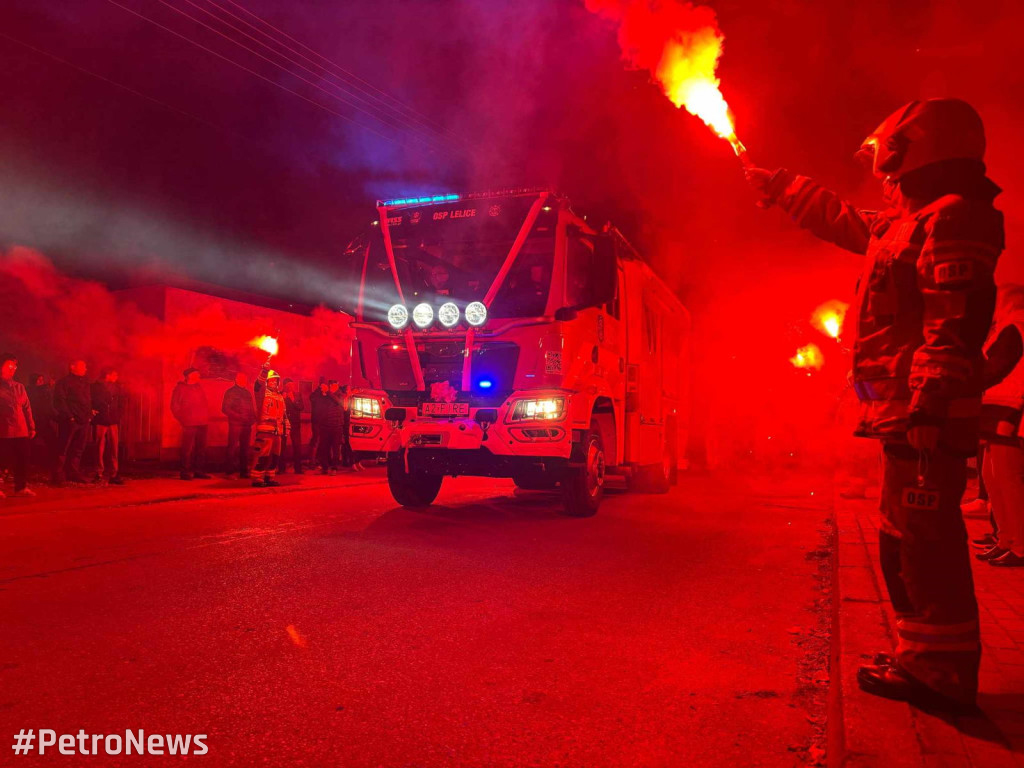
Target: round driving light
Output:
[(476, 313), (423, 315), (398, 316), (448, 314)]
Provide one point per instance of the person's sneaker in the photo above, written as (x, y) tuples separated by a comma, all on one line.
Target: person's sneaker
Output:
[(332, 471), (991, 554), (24, 493), (270, 483), (976, 508), (117, 480), (202, 476), (186, 476), (1007, 560), (985, 542), (259, 484)]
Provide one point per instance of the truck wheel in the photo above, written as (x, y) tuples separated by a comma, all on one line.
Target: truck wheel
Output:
[(583, 487), (535, 482), (411, 489)]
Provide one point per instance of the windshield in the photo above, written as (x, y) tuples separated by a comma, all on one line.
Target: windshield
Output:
[(453, 252)]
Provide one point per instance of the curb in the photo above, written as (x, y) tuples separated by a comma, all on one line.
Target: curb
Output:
[(863, 730)]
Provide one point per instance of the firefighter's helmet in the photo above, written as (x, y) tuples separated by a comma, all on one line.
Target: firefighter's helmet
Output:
[(924, 132), (272, 374)]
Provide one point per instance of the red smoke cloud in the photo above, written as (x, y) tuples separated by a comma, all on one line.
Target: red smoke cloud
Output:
[(679, 44), (48, 319)]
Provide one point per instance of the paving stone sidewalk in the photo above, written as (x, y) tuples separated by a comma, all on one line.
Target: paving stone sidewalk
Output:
[(876, 732)]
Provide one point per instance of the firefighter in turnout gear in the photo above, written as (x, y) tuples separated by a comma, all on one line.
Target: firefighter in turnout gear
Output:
[(924, 304), (271, 428)]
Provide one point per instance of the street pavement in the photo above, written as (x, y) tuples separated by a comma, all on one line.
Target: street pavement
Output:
[(321, 625), (873, 732)]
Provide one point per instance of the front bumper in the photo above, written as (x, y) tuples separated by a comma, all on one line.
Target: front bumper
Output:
[(532, 440)]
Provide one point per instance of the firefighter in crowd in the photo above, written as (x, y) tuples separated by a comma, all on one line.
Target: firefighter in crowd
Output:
[(924, 305), (271, 428)]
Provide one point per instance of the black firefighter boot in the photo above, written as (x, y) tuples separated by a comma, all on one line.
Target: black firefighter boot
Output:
[(894, 682)]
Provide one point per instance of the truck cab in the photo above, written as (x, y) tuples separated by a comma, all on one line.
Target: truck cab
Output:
[(500, 335)]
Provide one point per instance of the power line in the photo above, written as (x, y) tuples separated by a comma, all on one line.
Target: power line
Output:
[(266, 79), (123, 87), (344, 72), (415, 134), (401, 112)]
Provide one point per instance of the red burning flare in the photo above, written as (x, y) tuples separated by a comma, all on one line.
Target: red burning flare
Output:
[(679, 44), (808, 356), (828, 318), (267, 343)]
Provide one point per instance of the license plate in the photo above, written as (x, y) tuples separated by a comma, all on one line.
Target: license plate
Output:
[(444, 409)]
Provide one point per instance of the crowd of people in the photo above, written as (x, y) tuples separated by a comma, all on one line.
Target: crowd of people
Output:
[(50, 422), (265, 427), (1001, 455)]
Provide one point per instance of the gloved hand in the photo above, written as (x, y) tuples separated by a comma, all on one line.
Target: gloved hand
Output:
[(758, 179)]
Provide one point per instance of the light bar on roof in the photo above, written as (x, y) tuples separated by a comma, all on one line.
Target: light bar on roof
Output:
[(421, 200)]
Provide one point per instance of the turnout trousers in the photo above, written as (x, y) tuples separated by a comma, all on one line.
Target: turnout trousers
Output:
[(265, 455), (926, 564)]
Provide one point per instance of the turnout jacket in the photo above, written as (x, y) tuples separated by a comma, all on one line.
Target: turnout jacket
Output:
[(271, 415), (923, 309)]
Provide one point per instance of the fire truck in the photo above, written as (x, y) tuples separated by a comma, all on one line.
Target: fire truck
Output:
[(500, 335)]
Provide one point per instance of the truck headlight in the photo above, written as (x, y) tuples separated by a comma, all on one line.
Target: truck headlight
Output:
[(476, 313), (364, 408), (398, 316), (422, 315), (543, 409), (448, 314)]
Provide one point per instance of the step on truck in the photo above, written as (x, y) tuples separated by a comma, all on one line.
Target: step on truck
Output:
[(500, 335)]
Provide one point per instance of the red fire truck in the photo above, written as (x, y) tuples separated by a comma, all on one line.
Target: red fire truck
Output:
[(500, 335)]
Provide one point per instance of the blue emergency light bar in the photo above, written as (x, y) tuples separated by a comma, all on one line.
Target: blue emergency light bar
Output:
[(418, 200)]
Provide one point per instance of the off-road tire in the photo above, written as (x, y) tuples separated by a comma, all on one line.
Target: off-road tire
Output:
[(411, 489)]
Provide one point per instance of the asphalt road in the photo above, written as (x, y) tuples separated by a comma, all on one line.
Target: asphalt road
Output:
[(331, 628)]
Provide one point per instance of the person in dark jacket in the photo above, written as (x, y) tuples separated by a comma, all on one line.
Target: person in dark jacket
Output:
[(240, 409), (72, 404), (332, 426), (317, 408), (16, 426), (107, 405), (293, 409), (43, 448), (189, 406)]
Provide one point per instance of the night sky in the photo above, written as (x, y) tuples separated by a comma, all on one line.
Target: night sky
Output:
[(124, 145)]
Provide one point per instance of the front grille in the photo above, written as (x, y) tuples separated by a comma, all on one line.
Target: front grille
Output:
[(494, 361)]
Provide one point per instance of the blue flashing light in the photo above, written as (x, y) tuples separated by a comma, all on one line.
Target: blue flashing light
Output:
[(485, 383), (418, 200)]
